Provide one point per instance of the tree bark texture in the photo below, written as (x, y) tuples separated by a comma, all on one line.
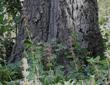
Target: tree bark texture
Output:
[(56, 20), (48, 20), (87, 27)]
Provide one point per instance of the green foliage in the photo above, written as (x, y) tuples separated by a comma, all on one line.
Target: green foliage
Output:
[(7, 33), (9, 73), (13, 6), (56, 74), (102, 20), (44, 59)]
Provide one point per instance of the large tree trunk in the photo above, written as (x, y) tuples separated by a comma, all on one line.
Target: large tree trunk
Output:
[(47, 20), (87, 27), (56, 20)]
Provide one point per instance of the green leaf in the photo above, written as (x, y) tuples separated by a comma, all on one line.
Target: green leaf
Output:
[(27, 43)]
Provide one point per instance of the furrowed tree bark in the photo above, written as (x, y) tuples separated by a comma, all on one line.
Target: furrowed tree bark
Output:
[(36, 14), (56, 20), (87, 27), (48, 20)]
